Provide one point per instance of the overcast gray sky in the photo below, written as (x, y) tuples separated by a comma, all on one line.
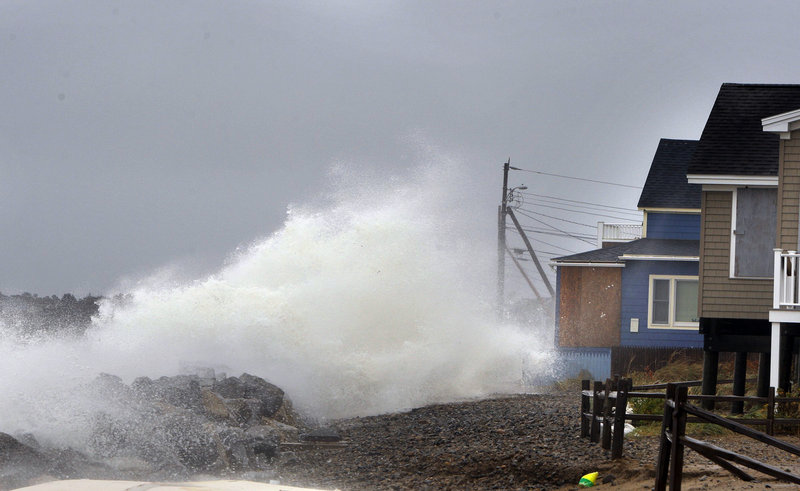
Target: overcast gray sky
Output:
[(135, 134)]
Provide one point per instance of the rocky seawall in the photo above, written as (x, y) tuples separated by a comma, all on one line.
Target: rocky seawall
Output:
[(171, 428)]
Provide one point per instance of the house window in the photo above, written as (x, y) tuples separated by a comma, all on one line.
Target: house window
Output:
[(753, 236), (673, 302)]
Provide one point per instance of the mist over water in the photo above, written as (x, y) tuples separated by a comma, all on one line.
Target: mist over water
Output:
[(380, 299)]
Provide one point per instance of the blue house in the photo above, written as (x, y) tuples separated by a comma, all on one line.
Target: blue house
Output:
[(613, 303)]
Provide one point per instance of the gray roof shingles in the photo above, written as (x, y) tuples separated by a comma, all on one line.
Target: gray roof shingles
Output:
[(733, 142), (647, 247), (666, 185)]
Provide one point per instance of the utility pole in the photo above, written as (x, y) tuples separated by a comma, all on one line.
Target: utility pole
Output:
[(531, 252), (523, 273), (501, 241)]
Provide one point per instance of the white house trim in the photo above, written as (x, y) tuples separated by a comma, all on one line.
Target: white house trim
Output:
[(646, 257), (732, 253), (782, 124), (732, 180), (593, 265), (787, 316), (693, 211), (671, 323), (775, 348)]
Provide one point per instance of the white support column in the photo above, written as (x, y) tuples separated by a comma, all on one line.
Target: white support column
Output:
[(775, 354), (777, 281), (601, 227)]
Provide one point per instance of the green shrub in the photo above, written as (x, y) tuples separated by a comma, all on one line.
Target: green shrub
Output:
[(642, 405)]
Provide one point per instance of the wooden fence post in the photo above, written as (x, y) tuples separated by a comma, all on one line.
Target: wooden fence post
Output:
[(664, 447), (678, 432), (585, 386), (594, 434), (619, 418), (771, 412), (611, 385)]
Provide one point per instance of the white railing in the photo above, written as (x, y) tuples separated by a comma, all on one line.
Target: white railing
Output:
[(785, 281), (617, 232)]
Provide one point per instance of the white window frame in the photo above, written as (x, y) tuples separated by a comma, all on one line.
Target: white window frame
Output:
[(732, 256), (686, 326)]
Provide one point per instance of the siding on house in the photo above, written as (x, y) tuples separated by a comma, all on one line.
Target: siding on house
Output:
[(557, 310), (635, 286), (684, 226), (589, 306), (720, 295), (789, 192), (573, 361)]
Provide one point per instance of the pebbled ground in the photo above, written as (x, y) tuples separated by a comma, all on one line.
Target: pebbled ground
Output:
[(506, 442), (511, 442)]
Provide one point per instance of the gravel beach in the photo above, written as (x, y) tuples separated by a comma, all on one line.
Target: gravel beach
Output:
[(505, 442)]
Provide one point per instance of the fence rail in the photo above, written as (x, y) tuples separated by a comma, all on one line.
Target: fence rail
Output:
[(673, 439), (604, 404)]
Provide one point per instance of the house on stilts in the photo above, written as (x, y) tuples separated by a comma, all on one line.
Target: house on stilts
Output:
[(748, 164)]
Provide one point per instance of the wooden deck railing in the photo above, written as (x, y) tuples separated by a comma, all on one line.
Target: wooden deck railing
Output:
[(786, 280)]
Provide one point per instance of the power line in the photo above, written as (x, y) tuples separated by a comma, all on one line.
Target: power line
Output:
[(573, 235), (557, 229), (558, 234), (550, 244), (545, 253), (584, 212), (577, 178), (557, 218), (595, 209), (627, 210)]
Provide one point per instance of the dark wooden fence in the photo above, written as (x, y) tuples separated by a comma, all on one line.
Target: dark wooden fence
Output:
[(673, 439), (603, 409), (625, 359)]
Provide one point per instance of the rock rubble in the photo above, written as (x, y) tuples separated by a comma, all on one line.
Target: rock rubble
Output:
[(168, 428)]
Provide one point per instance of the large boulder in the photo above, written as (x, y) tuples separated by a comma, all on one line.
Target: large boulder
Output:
[(251, 387), (146, 437), (182, 391), (14, 452), (168, 428), (23, 461)]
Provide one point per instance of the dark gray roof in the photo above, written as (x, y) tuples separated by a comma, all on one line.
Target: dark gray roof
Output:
[(647, 247), (733, 141), (666, 185)]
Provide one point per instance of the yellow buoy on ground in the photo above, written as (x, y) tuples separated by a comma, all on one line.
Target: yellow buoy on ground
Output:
[(588, 480)]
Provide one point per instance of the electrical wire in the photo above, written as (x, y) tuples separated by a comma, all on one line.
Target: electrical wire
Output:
[(557, 218), (547, 243), (630, 210), (556, 234), (581, 208), (557, 229), (574, 207), (577, 178), (521, 253), (556, 246), (584, 212)]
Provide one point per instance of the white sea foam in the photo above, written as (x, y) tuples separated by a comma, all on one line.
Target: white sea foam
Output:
[(373, 302)]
